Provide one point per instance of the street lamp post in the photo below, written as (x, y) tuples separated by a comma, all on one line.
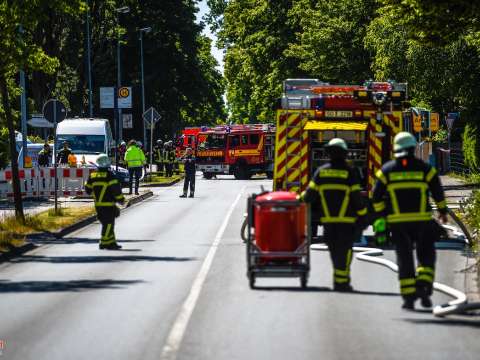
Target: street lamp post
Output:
[(89, 65), (143, 30), (121, 10)]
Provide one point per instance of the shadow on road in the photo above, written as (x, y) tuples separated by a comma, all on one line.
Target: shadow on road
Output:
[(71, 285), (95, 259), (323, 289), (45, 240), (474, 323)]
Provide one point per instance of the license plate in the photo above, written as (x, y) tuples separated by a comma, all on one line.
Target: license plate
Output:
[(338, 114)]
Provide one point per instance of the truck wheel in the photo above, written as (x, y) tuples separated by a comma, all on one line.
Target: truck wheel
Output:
[(251, 280), (207, 176), (270, 175), (304, 281)]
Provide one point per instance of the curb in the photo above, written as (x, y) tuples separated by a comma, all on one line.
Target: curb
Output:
[(163, 185), (17, 251)]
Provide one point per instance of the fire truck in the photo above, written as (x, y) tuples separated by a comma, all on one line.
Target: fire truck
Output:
[(190, 138), (367, 117), (239, 150)]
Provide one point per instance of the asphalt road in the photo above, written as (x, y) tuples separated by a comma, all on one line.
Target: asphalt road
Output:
[(179, 290)]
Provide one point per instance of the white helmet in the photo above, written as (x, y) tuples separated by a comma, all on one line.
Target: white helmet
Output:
[(337, 142), (402, 142), (103, 161), (123, 143)]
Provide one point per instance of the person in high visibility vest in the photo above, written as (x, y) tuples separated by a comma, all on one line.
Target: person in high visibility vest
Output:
[(401, 200), (170, 159), (106, 191), (135, 160), (190, 169), (336, 188)]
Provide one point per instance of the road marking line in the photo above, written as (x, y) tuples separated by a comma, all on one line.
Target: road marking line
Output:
[(179, 327)]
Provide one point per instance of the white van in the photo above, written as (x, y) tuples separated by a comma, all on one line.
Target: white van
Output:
[(87, 138)]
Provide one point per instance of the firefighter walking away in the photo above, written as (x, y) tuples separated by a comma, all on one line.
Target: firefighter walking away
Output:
[(106, 192), (190, 168), (335, 189), (400, 200)]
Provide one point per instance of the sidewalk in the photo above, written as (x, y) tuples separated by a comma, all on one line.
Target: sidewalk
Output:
[(454, 196)]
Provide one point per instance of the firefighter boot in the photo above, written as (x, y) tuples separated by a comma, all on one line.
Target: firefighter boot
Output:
[(191, 195), (342, 287), (423, 294), (408, 303), (113, 246), (184, 195)]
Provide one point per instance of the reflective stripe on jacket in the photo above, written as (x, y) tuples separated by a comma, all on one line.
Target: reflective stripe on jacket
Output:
[(134, 157), (336, 187), (403, 188), (105, 188)]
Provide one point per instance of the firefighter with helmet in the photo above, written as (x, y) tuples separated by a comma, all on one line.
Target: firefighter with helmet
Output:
[(400, 199), (158, 156), (336, 188), (106, 191)]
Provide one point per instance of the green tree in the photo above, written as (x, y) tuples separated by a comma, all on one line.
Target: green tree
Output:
[(18, 20)]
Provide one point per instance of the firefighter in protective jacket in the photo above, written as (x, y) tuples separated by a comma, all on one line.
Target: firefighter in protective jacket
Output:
[(401, 197), (106, 192), (336, 188)]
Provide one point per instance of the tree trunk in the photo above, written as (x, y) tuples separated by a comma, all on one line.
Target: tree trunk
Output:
[(17, 196)]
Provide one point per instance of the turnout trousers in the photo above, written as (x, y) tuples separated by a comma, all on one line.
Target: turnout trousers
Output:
[(169, 169), (339, 239), (106, 216), (406, 237), (189, 180)]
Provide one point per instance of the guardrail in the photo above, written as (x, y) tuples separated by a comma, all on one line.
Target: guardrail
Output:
[(40, 182)]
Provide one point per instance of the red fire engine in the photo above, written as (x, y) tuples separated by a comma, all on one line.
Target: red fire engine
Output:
[(190, 139), (239, 150), (367, 116)]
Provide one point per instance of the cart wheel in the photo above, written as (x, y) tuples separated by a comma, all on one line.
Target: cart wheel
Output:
[(251, 280), (303, 281)]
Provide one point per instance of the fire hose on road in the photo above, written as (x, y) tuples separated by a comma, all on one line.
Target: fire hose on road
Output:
[(458, 305)]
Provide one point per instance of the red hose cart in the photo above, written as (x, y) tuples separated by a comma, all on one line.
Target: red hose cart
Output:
[(278, 237)]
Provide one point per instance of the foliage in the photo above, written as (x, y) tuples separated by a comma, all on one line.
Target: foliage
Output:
[(440, 136), (471, 147)]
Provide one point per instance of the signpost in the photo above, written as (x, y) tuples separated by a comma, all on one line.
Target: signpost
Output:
[(151, 117), (123, 100), (55, 111)]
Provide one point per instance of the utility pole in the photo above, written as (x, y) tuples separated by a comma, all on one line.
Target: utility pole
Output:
[(143, 30), (122, 10), (23, 106), (89, 65)]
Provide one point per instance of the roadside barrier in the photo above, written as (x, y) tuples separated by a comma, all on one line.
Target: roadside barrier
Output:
[(40, 182)]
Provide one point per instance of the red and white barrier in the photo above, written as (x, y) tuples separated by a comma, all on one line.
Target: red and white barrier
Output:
[(40, 182)]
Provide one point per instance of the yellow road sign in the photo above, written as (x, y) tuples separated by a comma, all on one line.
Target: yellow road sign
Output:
[(124, 92)]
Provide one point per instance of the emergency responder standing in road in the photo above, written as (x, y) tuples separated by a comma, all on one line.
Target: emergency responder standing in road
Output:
[(158, 156), (336, 188), (401, 193), (170, 159), (189, 164), (135, 159), (62, 156), (44, 155), (106, 192)]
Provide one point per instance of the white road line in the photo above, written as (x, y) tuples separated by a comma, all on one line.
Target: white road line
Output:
[(179, 327)]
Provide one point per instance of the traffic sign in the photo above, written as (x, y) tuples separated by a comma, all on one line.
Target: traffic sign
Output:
[(125, 97), (54, 111), (127, 121), (107, 98), (151, 116)]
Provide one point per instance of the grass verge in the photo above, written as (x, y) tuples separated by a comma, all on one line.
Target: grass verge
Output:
[(13, 233), (161, 180)]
